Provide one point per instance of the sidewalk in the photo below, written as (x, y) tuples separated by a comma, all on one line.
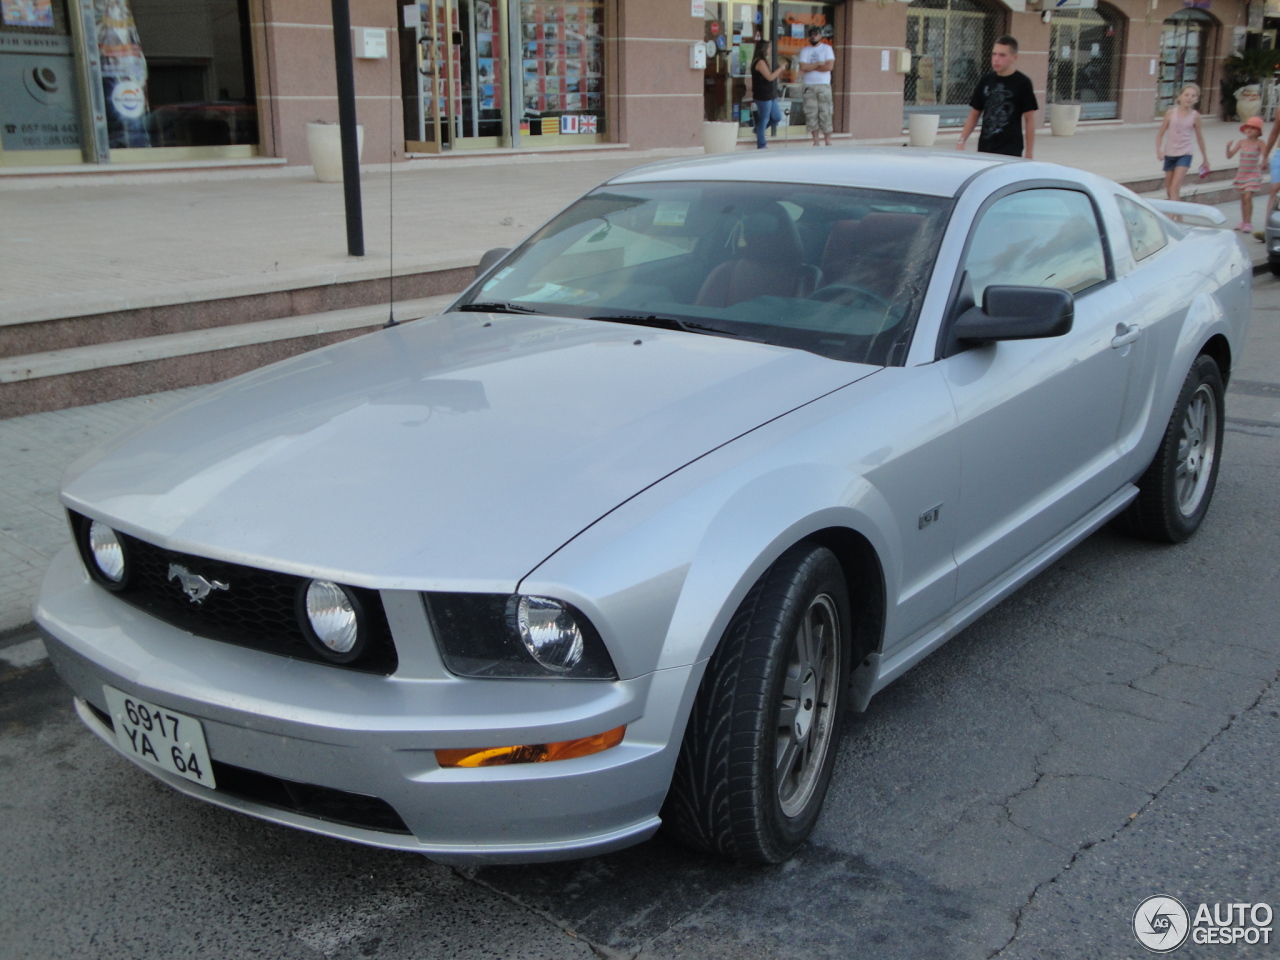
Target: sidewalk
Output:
[(80, 245), (171, 240)]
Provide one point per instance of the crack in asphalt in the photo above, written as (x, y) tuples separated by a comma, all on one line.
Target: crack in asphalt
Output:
[(599, 949), (1088, 845)]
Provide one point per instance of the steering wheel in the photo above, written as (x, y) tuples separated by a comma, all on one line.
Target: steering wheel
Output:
[(849, 294)]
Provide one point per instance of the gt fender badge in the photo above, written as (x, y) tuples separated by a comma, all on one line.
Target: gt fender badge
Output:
[(929, 516), (195, 586)]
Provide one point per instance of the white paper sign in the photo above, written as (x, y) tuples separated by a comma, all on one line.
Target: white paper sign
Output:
[(699, 8), (884, 59)]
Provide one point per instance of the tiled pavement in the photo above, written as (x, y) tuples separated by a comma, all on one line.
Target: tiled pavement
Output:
[(34, 452)]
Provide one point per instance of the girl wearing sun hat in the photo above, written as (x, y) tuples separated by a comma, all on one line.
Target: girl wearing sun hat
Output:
[(1249, 177)]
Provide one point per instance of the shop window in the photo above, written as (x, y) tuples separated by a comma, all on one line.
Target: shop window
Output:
[(1085, 48), (562, 63), (1184, 38), (177, 73), (950, 43)]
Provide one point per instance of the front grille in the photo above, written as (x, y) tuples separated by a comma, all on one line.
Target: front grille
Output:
[(322, 803), (258, 610)]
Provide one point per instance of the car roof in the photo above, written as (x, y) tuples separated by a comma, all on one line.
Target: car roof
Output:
[(938, 173)]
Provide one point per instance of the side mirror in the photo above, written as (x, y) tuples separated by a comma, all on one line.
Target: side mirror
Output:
[(489, 259), (1017, 313)]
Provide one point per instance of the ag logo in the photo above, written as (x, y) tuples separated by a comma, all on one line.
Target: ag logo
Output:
[(1161, 924)]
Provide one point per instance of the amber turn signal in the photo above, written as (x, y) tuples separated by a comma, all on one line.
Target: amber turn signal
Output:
[(531, 753)]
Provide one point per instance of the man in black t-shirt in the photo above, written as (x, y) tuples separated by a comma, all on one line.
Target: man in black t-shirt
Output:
[(1003, 98)]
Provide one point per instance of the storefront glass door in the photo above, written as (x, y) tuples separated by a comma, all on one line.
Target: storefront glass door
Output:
[(502, 73), (1182, 38), (1084, 61)]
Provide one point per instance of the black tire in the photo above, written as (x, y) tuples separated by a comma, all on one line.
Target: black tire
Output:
[(1275, 267), (1174, 493), (760, 688)]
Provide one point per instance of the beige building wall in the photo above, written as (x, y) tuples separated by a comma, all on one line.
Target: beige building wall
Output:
[(656, 100), (869, 102), (293, 41)]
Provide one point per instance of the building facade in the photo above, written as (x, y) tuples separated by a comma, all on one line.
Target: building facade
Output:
[(112, 82)]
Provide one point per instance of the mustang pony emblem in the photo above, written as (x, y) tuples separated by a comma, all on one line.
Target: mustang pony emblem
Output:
[(195, 586)]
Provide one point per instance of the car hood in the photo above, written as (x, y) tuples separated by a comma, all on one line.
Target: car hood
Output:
[(456, 452)]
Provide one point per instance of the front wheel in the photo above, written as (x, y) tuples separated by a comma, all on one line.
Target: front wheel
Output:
[(1174, 493), (761, 742)]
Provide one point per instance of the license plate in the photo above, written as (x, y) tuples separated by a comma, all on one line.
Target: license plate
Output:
[(170, 740)]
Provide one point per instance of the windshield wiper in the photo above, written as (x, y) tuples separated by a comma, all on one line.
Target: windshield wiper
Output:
[(670, 323), (644, 320), (495, 306)]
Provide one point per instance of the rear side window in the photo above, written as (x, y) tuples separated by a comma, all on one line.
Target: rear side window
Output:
[(1037, 238), (1146, 232)]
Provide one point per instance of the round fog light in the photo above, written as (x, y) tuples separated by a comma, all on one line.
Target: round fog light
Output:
[(333, 619), (107, 553), (549, 632)]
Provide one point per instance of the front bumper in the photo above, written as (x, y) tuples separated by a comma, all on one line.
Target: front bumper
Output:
[(374, 736)]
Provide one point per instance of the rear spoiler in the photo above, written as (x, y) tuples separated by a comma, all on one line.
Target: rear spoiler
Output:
[(1192, 214)]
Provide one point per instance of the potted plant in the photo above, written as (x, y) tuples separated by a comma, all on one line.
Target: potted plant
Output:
[(1244, 69)]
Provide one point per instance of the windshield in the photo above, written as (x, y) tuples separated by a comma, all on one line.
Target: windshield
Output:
[(838, 271)]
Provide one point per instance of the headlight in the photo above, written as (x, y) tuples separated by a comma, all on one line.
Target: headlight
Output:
[(104, 552), (1273, 219), (107, 553), (548, 631), (332, 620), (497, 635)]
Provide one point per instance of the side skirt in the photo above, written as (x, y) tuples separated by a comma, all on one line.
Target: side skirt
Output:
[(878, 671)]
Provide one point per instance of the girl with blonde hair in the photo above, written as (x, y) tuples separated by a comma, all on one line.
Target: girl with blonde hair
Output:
[(1181, 123)]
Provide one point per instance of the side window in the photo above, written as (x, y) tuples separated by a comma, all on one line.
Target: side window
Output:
[(1037, 238), (1146, 232)]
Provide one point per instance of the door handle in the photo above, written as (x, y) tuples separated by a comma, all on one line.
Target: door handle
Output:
[(1126, 335)]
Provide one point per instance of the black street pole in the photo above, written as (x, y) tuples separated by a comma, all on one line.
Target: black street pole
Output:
[(343, 57)]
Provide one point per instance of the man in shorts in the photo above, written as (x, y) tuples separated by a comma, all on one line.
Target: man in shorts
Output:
[(814, 63)]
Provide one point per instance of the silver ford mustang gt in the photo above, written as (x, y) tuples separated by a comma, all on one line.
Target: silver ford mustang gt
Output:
[(611, 543)]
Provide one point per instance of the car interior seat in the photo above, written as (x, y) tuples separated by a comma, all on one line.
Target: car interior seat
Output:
[(767, 260)]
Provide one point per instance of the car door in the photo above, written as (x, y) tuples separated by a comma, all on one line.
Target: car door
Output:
[(1164, 281), (1038, 419)]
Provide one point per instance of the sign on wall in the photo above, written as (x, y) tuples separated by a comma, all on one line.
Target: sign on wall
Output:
[(37, 93)]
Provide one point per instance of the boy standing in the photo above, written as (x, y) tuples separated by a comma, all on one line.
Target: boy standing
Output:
[(1002, 98)]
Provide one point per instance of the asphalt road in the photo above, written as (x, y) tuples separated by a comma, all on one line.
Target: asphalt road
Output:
[(1109, 733)]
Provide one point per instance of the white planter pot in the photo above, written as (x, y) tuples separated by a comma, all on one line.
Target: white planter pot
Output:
[(324, 143), (1248, 101), (719, 136), (1063, 118), (922, 128)]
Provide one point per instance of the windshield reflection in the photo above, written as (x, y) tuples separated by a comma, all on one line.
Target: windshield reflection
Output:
[(838, 271)]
